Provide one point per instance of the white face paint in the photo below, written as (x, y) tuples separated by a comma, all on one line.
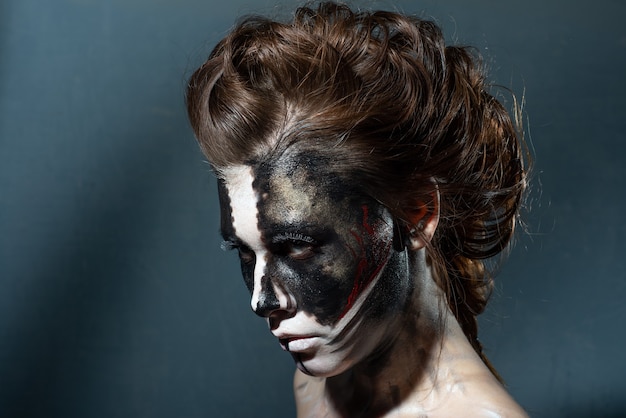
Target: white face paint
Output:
[(244, 215), (318, 261)]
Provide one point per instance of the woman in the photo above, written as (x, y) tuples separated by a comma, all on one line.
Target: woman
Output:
[(364, 174)]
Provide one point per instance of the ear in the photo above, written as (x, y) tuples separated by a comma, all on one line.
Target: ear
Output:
[(424, 222)]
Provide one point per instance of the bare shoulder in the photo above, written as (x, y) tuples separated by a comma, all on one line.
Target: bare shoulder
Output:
[(478, 396), (488, 399), (497, 410), (470, 394), (469, 389), (479, 407)]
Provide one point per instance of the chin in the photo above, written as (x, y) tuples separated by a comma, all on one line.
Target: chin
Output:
[(321, 365)]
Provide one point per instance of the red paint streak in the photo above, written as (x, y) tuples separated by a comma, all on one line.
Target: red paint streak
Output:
[(349, 247), (359, 283), (356, 287), (366, 225)]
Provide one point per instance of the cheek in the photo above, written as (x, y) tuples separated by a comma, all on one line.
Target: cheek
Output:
[(328, 285), (316, 284), (370, 249)]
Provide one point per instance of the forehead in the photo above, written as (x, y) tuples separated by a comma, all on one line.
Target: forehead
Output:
[(296, 185), (287, 189), (238, 181), (238, 204)]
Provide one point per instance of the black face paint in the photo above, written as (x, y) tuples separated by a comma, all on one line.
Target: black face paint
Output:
[(268, 302), (327, 275), (325, 251)]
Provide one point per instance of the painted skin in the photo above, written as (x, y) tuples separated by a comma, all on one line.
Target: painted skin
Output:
[(365, 323), (317, 259)]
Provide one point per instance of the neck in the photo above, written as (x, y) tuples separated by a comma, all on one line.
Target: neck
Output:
[(426, 346)]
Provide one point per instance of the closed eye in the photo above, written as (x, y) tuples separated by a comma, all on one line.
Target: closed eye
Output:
[(295, 246), (301, 251), (296, 250), (246, 255)]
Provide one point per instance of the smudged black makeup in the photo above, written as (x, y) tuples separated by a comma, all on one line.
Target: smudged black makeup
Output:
[(322, 251), (326, 241)]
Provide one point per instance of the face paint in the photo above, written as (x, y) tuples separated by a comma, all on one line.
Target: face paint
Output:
[(228, 230), (317, 257)]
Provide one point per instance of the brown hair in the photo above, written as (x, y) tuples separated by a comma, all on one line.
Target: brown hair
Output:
[(393, 106)]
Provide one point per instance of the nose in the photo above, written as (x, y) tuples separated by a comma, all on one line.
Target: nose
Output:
[(269, 298)]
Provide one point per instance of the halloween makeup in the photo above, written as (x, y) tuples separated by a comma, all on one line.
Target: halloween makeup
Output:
[(317, 257)]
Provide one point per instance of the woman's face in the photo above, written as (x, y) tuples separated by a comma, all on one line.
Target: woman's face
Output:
[(317, 258)]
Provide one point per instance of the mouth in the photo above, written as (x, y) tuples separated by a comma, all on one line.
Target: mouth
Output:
[(298, 344)]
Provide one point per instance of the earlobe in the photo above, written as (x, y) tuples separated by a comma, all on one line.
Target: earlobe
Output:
[(424, 222)]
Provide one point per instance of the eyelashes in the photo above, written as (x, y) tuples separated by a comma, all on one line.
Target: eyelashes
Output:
[(294, 245), (293, 237), (227, 245)]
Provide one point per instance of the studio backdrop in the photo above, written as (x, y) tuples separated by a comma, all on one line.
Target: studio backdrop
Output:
[(115, 298)]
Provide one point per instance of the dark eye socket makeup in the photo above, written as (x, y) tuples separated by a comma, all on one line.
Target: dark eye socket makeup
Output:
[(294, 245)]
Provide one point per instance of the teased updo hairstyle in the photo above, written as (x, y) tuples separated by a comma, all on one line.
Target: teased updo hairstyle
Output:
[(396, 111)]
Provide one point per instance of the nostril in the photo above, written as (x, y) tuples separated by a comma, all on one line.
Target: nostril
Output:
[(266, 298), (271, 300), (277, 316), (267, 303)]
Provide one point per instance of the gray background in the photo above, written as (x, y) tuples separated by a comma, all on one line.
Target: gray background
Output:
[(115, 300)]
